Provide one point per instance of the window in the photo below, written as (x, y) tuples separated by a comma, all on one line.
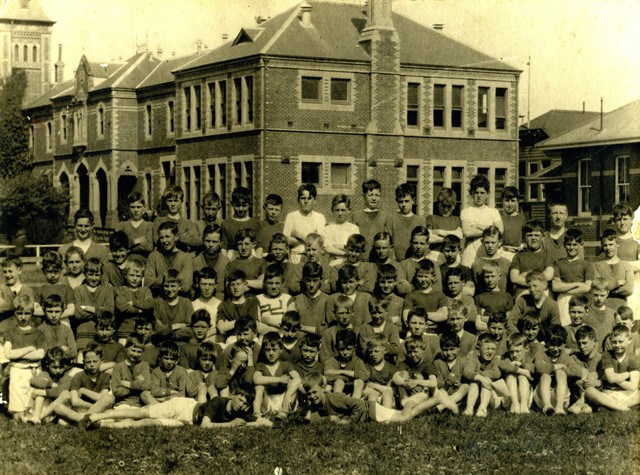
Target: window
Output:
[(412, 176), (168, 177), (213, 104), (536, 192), (340, 90), (243, 97), (623, 169), (170, 118), (34, 55), (413, 104), (449, 177), (148, 120), (78, 133), (311, 89), (311, 173), (456, 106), (438, 105), (63, 127), (248, 83), (483, 107), (584, 186), (498, 179), (222, 90), (340, 175), (243, 174), (16, 53), (187, 109), (533, 167), (217, 180), (101, 121), (49, 136), (501, 108), (196, 107), (25, 53), (237, 91), (192, 191)]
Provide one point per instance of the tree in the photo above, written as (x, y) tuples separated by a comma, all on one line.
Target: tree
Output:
[(14, 127)]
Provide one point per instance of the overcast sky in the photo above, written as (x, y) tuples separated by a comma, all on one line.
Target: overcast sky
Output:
[(581, 50)]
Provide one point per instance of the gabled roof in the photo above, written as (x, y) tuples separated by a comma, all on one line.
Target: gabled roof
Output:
[(334, 35), (57, 89), (131, 73), (557, 121), (21, 10), (619, 126), (161, 74)]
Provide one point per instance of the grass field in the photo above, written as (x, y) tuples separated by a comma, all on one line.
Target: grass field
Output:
[(600, 443)]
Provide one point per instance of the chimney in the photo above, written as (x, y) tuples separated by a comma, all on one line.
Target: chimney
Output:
[(59, 67), (379, 14), (305, 18), (225, 36), (159, 52), (584, 107), (198, 46)]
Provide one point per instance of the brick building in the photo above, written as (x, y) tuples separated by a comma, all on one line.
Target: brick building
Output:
[(328, 93)]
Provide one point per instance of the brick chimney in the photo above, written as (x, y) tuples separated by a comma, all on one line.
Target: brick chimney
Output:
[(379, 38), (59, 67), (305, 15)]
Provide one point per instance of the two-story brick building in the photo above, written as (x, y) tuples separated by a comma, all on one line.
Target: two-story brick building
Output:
[(328, 93)]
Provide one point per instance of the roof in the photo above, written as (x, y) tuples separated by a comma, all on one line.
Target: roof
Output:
[(129, 74), (334, 34), (619, 126), (16, 10), (161, 74), (557, 121), (57, 89)]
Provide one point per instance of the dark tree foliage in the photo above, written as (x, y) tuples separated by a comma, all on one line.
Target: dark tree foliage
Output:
[(14, 127), (30, 202)]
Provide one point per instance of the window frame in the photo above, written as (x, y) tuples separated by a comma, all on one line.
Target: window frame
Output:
[(626, 184), (171, 117), (584, 189), (325, 164), (312, 100), (413, 108), (325, 101)]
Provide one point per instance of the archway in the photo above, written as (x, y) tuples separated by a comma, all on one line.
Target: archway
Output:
[(103, 201), (66, 188), (83, 186)]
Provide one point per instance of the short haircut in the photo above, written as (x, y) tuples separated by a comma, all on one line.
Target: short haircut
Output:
[(510, 192), (312, 380), (585, 331), (420, 231), (105, 320), (93, 264), (449, 339), (376, 301), (536, 276), (387, 271), (272, 338), (145, 319), (458, 307), (346, 273), (12, 260), (486, 337), (278, 238), (244, 234), (119, 240), (533, 225), (240, 196), (580, 300), (383, 236), (53, 300), (273, 200), (451, 240), (135, 196), (93, 347), (479, 181), (23, 302), (528, 322), (417, 312), (134, 262), (555, 335), (426, 265), (346, 337), (339, 199), (134, 339), (206, 273), (206, 348), (621, 209), (311, 340), (52, 261), (74, 250), (342, 301), (173, 192), (169, 225), (405, 189), (414, 341), (171, 276), (311, 270), (212, 229), (309, 187), (377, 340), (201, 315), (555, 202), (516, 339), (55, 355), (83, 213), (244, 389), (274, 270), (370, 185), (210, 198), (497, 317), (490, 265), (609, 235), (356, 242), (169, 349), (447, 197), (236, 275), (619, 330), (599, 283), (455, 272), (243, 324), (573, 234), (492, 231), (624, 312), (314, 238), (291, 318)]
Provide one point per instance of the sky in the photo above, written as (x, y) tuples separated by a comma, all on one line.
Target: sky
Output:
[(580, 50)]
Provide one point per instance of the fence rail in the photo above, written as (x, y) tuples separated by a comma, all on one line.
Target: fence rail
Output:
[(30, 253)]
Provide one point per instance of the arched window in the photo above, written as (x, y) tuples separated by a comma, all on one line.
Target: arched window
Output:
[(16, 53), (25, 53), (35, 54)]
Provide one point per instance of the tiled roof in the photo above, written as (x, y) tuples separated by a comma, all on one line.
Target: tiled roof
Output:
[(131, 73), (103, 70), (619, 126), (161, 74), (557, 121), (334, 34), (45, 99), (13, 10)]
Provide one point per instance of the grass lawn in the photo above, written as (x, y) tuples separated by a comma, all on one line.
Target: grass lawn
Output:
[(604, 442)]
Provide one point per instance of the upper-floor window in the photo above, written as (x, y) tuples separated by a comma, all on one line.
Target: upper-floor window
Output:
[(170, 118), (413, 104), (187, 109), (34, 56), (501, 108), (438, 105), (77, 126), (148, 121), (63, 127), (446, 176), (49, 136), (25, 53), (456, 106), (217, 104), (311, 89), (483, 107), (340, 90), (584, 186), (329, 174), (326, 90), (16, 53), (492, 108), (623, 170), (448, 106), (498, 178), (101, 121), (243, 100)]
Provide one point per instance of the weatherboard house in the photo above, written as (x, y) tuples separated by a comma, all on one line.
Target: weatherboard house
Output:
[(329, 93)]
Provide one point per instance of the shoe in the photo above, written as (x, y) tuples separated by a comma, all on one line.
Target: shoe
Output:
[(586, 409), (87, 424), (467, 412), (548, 411), (481, 413), (575, 409)]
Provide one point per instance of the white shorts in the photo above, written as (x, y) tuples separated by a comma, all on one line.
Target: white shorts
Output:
[(177, 409), (382, 414), (20, 390), (622, 396)]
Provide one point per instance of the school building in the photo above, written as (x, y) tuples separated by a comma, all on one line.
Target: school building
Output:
[(330, 93)]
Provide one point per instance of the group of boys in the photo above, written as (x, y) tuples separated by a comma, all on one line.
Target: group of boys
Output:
[(247, 321)]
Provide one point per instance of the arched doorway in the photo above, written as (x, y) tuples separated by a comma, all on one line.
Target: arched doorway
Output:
[(103, 202), (65, 187), (83, 186)]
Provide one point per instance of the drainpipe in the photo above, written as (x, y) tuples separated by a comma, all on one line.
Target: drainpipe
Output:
[(263, 139)]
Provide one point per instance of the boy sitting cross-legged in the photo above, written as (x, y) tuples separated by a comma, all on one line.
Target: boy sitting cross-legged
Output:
[(168, 380), (380, 324), (200, 325), (448, 367), (201, 382), (588, 358), (381, 372), (517, 369), (312, 303), (238, 305), (131, 377), (480, 372), (346, 372)]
